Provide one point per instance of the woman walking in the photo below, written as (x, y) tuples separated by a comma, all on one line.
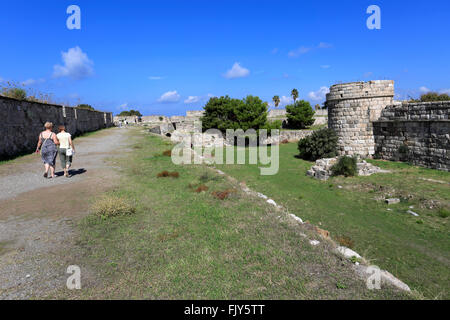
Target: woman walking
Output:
[(48, 141), (66, 149)]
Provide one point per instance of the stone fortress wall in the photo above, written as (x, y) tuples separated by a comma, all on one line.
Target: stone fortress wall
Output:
[(22, 121), (415, 132), (370, 123), (352, 107)]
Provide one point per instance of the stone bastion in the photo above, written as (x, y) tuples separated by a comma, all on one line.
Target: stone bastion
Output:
[(352, 108)]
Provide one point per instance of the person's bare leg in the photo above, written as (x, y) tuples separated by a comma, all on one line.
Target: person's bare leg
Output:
[(52, 171), (67, 170), (47, 166)]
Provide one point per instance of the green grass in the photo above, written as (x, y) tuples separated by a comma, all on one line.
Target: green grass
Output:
[(185, 245), (417, 253)]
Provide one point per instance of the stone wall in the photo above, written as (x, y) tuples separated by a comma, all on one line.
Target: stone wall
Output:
[(22, 121), (195, 114), (352, 107), (416, 132), (129, 119)]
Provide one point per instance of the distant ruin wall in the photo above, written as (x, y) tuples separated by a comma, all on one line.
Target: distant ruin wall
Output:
[(416, 132), (351, 109), (22, 121), (320, 116)]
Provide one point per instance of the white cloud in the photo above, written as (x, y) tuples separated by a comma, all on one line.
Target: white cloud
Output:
[(324, 45), (169, 97), (424, 89), (302, 50), (319, 94), (31, 82), (285, 101), (237, 72), (325, 66), (192, 99), (447, 91), (297, 52), (155, 78), (275, 50), (123, 106), (76, 66), (367, 74)]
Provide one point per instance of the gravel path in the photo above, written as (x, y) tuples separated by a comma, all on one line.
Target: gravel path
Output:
[(37, 224), (15, 180)]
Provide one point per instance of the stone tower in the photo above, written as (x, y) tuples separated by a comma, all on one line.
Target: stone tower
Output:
[(351, 109)]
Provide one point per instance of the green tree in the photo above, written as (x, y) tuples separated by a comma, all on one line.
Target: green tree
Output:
[(434, 96), (227, 113), (130, 113), (276, 101), (294, 94), (300, 115), (85, 107)]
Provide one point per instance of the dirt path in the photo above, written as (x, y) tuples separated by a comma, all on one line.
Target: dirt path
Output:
[(37, 223)]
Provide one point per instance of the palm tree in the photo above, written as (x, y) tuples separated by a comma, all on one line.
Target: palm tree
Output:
[(294, 94), (276, 100)]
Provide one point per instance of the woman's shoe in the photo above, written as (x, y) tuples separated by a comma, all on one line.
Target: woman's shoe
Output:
[(45, 175)]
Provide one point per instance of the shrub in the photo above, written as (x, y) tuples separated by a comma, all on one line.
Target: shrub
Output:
[(85, 107), (167, 153), (201, 188), (300, 115), (112, 206), (443, 213), (163, 174), (321, 144), (16, 93), (174, 175), (222, 195), (345, 241), (345, 166)]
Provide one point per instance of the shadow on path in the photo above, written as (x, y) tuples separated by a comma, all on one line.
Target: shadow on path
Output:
[(71, 172)]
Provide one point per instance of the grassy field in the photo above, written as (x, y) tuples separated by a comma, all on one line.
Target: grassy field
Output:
[(180, 244), (415, 249)]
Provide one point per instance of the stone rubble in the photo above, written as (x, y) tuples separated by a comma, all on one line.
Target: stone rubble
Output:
[(322, 169)]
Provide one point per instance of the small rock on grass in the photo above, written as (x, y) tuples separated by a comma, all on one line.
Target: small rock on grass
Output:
[(314, 242), (392, 201), (412, 213), (348, 253)]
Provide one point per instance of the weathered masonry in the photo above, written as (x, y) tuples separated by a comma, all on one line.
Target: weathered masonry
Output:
[(370, 123), (352, 107), (22, 121), (416, 132)]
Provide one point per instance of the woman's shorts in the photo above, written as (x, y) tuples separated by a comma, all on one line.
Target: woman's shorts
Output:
[(65, 160)]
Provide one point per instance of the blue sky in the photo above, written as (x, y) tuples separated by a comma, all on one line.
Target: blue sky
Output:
[(166, 57)]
